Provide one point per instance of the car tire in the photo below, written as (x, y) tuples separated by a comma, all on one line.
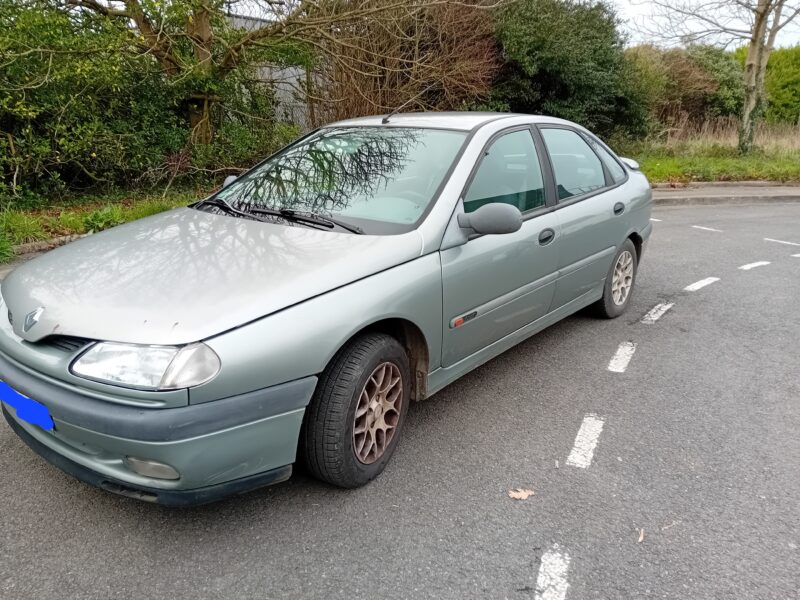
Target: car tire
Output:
[(616, 296), (371, 376)]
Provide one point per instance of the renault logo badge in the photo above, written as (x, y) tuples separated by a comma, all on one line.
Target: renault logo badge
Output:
[(32, 318)]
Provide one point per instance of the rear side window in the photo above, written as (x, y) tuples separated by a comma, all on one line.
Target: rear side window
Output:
[(577, 168), (616, 170), (509, 173)]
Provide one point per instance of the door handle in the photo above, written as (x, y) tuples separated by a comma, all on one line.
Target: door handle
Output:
[(546, 236), (619, 208)]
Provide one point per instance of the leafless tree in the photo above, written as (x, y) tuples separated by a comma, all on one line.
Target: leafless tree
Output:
[(757, 22), (437, 58), (193, 40)]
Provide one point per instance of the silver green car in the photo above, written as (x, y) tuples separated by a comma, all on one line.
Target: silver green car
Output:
[(299, 311)]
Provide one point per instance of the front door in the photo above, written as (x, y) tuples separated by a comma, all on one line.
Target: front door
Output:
[(496, 284)]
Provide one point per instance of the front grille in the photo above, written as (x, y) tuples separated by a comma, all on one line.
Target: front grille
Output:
[(66, 343)]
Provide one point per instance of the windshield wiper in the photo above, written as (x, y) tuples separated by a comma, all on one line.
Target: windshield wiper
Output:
[(220, 203), (311, 218)]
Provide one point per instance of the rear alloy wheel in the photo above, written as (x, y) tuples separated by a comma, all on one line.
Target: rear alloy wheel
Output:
[(354, 420), (619, 282), (622, 279)]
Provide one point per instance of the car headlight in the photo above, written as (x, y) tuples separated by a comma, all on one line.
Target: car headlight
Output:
[(148, 367)]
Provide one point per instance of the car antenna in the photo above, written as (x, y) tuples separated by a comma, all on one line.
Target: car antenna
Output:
[(385, 119)]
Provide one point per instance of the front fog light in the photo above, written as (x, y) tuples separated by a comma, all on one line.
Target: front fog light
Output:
[(151, 468), (148, 367)]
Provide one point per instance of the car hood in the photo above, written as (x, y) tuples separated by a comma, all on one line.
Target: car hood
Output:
[(186, 275)]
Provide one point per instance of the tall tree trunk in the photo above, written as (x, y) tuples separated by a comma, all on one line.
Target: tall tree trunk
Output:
[(200, 120), (752, 101), (201, 34), (754, 69)]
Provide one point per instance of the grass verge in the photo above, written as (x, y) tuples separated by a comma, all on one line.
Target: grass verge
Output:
[(81, 216), (708, 152), (6, 249), (686, 168)]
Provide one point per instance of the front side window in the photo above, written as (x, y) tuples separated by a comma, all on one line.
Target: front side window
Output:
[(509, 173), (381, 179), (575, 165)]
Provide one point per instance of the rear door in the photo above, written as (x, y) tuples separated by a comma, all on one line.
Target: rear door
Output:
[(591, 212), (495, 284)]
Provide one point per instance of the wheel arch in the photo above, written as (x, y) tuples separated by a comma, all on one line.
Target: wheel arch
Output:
[(638, 243), (413, 341)]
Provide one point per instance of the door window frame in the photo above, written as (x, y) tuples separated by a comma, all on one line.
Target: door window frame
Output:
[(545, 164), (610, 184), (544, 168)]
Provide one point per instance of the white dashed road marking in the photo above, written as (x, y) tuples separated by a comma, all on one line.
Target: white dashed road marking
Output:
[(656, 220), (760, 263), (707, 228), (700, 284), (585, 442), (620, 361), (551, 583), (796, 255), (657, 312), (781, 242)]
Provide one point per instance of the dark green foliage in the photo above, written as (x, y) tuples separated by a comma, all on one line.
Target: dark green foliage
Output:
[(104, 218), (727, 74), (565, 58), (86, 110), (783, 85), (687, 85), (247, 131), (80, 113)]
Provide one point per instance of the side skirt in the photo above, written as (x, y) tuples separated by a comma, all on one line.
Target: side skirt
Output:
[(444, 376)]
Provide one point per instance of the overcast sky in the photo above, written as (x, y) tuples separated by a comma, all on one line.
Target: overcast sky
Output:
[(635, 13)]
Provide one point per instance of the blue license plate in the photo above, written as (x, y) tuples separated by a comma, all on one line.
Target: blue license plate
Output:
[(27, 410)]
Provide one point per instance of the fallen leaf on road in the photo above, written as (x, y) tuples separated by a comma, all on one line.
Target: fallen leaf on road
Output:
[(520, 494), (641, 535)]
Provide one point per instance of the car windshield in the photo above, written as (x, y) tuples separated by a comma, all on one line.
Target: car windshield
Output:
[(380, 179)]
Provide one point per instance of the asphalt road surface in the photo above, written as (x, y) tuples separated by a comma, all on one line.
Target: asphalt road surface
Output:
[(674, 475)]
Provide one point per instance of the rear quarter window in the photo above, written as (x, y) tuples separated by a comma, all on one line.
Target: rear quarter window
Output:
[(611, 163), (576, 167)]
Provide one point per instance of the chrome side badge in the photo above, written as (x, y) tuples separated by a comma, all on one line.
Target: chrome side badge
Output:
[(32, 318)]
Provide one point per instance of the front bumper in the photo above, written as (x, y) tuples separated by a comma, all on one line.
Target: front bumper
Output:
[(220, 447), (160, 496)]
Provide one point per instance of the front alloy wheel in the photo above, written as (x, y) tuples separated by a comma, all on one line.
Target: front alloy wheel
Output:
[(353, 423), (378, 413)]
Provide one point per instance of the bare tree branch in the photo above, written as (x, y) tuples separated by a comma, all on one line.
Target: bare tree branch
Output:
[(102, 9)]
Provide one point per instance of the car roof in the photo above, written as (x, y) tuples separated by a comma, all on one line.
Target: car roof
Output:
[(464, 121)]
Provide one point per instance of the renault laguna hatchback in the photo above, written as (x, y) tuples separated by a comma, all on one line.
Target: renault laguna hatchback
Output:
[(300, 310)]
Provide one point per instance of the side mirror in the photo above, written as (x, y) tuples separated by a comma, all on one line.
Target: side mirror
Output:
[(228, 180), (494, 218), (630, 163)]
